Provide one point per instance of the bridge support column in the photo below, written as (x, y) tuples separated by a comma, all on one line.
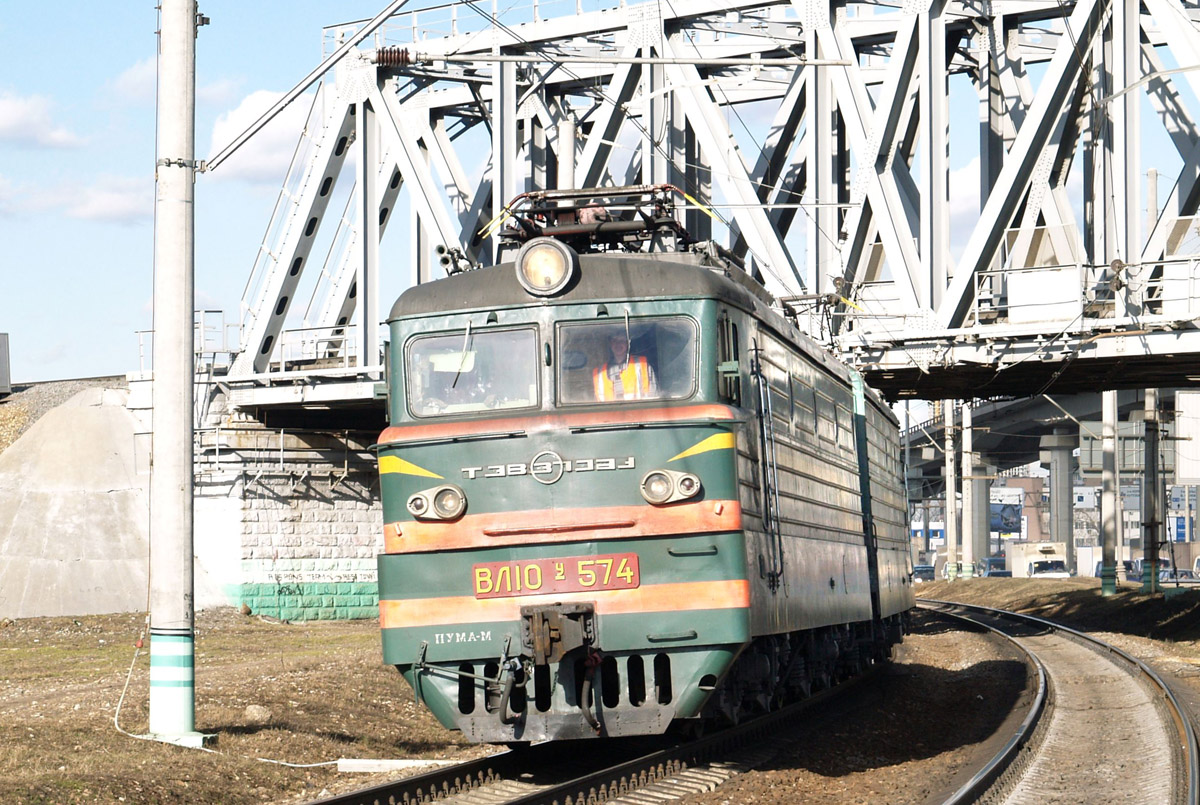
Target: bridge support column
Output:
[(951, 494), (1151, 522), (981, 492), (1056, 450), (970, 541), (1109, 518)]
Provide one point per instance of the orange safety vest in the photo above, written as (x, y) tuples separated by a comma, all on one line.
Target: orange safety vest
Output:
[(635, 380)]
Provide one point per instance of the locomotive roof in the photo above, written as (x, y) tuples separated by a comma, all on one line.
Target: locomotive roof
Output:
[(602, 278), (614, 277)]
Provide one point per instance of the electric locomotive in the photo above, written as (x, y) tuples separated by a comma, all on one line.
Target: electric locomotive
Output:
[(621, 490)]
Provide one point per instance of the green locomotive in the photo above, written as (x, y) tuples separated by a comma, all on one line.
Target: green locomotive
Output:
[(620, 490)]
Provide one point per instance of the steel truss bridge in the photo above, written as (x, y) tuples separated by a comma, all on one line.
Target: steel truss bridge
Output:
[(812, 138)]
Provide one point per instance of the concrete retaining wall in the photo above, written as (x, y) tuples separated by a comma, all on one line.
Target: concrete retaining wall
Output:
[(306, 546)]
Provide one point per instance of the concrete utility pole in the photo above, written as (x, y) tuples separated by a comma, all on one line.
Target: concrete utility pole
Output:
[(982, 484), (951, 494), (1110, 520), (969, 540), (172, 634), (1150, 486)]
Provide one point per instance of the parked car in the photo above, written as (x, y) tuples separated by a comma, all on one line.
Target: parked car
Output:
[(1002, 574), (1178, 577), (1126, 569), (990, 565), (922, 573), (1049, 569), (1164, 563)]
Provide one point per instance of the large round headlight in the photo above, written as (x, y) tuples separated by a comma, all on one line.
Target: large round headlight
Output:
[(449, 502), (545, 266), (657, 487)]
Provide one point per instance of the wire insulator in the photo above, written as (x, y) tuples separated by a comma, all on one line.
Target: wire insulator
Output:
[(392, 56)]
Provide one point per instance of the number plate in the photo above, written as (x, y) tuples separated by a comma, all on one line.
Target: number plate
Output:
[(571, 574)]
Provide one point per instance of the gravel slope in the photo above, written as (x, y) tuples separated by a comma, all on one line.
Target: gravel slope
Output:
[(30, 401)]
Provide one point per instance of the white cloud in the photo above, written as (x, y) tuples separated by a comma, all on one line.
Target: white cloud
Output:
[(220, 92), (25, 120), (112, 199), (115, 199), (136, 84), (8, 195), (265, 157)]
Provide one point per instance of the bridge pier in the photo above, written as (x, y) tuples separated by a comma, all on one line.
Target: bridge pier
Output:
[(1056, 450)]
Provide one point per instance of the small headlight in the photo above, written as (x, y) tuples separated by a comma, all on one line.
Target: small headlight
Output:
[(657, 487), (688, 485), (449, 502), (545, 266), (417, 505)]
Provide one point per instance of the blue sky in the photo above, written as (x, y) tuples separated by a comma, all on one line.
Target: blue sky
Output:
[(77, 166)]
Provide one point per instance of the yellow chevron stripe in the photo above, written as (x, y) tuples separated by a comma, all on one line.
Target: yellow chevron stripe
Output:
[(721, 441), (396, 464)]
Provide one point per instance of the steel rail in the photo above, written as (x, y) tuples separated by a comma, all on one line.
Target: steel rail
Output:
[(983, 779), (626, 775), (429, 785), (1179, 716)]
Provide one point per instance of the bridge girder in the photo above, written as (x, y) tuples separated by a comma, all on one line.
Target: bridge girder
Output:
[(773, 113)]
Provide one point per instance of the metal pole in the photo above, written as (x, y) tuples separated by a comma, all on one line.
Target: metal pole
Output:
[(172, 634), (951, 495), (367, 133), (1150, 484), (1108, 501), (925, 531), (968, 494), (566, 154)]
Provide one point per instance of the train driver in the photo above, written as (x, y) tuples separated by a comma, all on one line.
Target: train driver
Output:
[(625, 376)]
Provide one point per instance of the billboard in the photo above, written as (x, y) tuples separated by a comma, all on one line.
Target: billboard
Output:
[(1005, 505), (1187, 431)]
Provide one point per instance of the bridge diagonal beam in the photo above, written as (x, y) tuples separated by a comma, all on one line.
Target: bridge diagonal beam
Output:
[(427, 198), (894, 221), (1184, 41), (729, 170), (1061, 76), (341, 289), (1168, 103), (260, 334), (781, 172), (607, 119)]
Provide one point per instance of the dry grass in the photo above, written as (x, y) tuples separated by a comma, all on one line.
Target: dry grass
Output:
[(324, 685)]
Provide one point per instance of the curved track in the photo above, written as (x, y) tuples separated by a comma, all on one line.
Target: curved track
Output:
[(585, 771), (1110, 730), (1103, 728)]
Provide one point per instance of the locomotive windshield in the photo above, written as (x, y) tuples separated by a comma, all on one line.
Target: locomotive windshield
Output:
[(636, 359), (464, 372)]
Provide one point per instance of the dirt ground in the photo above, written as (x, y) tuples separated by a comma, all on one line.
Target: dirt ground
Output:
[(267, 691), (312, 693)]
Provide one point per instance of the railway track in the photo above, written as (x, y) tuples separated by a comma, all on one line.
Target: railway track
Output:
[(583, 772), (1104, 726)]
